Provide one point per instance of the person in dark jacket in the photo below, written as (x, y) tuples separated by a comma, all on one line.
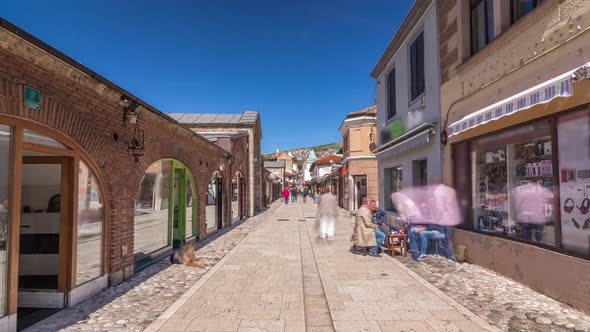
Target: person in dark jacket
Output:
[(380, 218)]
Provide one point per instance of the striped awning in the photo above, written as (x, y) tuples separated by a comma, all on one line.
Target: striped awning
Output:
[(560, 86)]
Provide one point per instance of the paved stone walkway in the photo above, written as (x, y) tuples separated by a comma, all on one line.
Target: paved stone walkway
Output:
[(136, 303), (283, 278), (501, 301)]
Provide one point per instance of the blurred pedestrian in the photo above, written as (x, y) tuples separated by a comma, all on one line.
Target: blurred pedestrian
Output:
[(327, 213), (294, 194), (286, 195)]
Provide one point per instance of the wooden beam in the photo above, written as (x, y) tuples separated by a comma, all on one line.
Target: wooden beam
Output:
[(14, 219), (49, 149), (73, 238), (64, 232)]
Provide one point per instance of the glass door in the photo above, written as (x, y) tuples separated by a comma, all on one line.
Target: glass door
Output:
[(44, 232)]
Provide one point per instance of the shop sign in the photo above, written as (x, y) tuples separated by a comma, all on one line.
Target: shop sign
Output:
[(396, 129), (32, 98)]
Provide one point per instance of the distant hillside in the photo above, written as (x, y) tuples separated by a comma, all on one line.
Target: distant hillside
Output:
[(320, 151)]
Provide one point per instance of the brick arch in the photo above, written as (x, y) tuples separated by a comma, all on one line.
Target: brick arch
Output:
[(88, 110)]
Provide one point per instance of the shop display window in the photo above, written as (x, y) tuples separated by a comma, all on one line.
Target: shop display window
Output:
[(395, 183), (573, 132), (5, 153), (90, 226), (512, 183), (151, 209)]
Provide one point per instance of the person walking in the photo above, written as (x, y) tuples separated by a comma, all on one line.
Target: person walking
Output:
[(326, 214), (286, 194), (305, 193), (294, 194)]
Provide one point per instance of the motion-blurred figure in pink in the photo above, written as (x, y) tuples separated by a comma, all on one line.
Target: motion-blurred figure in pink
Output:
[(428, 211), (533, 207)]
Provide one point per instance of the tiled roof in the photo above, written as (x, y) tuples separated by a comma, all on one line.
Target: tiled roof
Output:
[(248, 117), (365, 111), (326, 160)]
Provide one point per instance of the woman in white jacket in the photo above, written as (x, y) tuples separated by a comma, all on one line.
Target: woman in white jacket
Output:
[(327, 213)]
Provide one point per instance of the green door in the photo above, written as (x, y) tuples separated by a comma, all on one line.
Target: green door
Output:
[(177, 205)]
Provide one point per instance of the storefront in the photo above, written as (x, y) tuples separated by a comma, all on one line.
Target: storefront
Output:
[(165, 211), (238, 197), (52, 222), (531, 182), (215, 207), (521, 170)]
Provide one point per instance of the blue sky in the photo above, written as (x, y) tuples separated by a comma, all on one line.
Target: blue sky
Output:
[(302, 64)]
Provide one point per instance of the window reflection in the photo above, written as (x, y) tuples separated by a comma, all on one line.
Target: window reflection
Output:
[(90, 226), (37, 138), (151, 209), (235, 212), (573, 133), (513, 184), (190, 204), (5, 152), (211, 209)]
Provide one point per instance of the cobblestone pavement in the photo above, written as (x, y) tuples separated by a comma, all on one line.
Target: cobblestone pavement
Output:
[(283, 278), (503, 302), (137, 302)]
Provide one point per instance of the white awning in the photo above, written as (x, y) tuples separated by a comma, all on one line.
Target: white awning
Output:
[(411, 140), (560, 86)]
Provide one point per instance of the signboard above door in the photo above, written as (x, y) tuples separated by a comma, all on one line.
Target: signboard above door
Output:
[(32, 98)]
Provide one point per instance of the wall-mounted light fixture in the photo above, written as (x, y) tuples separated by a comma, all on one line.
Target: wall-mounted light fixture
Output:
[(130, 113), (136, 147), (582, 73)]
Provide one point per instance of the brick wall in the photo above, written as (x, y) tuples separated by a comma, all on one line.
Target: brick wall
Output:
[(89, 112)]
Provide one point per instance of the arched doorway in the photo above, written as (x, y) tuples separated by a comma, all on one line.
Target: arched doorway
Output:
[(214, 209), (238, 200), (52, 222), (165, 211)]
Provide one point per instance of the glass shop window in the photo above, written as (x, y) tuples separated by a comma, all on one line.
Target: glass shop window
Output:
[(90, 226), (573, 136), (395, 183), (512, 184), (5, 158)]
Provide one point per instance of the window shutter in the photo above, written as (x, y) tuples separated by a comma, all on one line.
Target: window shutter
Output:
[(391, 107)]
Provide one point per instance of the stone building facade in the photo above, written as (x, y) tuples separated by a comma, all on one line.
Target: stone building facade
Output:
[(215, 126), (408, 105), (516, 119), (100, 148), (358, 172)]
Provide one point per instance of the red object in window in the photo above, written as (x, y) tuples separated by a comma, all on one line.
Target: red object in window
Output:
[(564, 175)]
